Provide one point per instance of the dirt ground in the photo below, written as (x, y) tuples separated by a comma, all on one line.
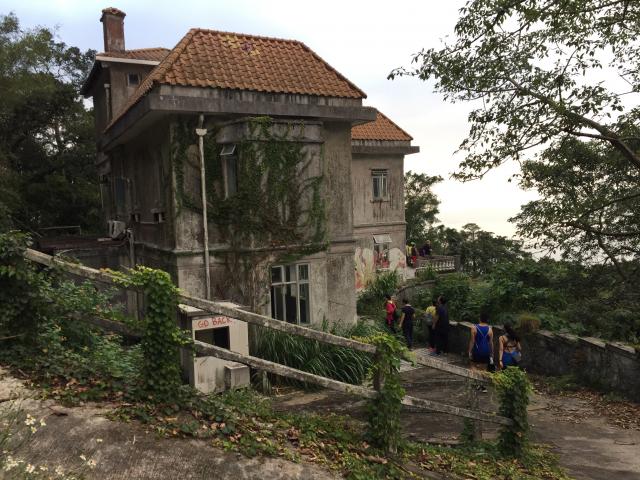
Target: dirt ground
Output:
[(589, 445)]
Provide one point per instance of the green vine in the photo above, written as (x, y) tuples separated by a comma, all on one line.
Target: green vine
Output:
[(384, 410), (513, 388), (161, 338), (277, 214)]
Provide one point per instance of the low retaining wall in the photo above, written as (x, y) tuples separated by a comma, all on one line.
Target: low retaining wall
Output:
[(604, 365)]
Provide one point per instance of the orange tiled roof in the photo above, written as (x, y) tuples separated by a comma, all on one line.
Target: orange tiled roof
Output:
[(156, 54), (380, 129), (209, 58)]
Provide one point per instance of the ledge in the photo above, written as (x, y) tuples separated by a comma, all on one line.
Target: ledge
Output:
[(622, 349), (593, 342)]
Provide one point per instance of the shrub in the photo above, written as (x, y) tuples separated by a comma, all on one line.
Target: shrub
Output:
[(426, 274), (513, 389), (456, 288), (371, 299), (339, 363)]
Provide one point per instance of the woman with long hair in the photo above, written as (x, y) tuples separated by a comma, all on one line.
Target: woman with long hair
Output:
[(510, 349)]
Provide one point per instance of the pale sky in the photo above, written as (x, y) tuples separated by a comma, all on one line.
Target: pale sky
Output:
[(364, 40)]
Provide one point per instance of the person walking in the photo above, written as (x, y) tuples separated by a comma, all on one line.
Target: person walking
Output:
[(414, 255), (430, 316), (510, 351), (441, 327), (406, 322), (481, 344), (390, 313)]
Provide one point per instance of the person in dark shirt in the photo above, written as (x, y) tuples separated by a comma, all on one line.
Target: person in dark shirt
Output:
[(406, 322), (441, 327)]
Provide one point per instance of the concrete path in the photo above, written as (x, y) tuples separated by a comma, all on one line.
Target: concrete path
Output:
[(74, 438), (589, 446)]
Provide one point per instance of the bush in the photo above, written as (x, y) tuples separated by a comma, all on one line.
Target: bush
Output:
[(456, 288), (371, 299)]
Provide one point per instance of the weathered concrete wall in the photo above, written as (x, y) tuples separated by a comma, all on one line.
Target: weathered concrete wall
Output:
[(340, 268), (120, 90), (377, 217), (145, 166), (605, 365), (368, 211), (365, 261)]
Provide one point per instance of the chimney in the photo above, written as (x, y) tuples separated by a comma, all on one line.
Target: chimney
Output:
[(113, 27)]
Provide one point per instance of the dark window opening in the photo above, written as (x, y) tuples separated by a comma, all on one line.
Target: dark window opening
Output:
[(218, 337), (133, 79)]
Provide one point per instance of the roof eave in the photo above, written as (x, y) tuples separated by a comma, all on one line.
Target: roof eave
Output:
[(383, 147), (167, 100)]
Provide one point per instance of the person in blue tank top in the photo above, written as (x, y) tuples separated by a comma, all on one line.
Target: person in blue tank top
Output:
[(481, 343)]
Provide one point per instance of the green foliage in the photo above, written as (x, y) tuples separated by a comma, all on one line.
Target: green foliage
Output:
[(426, 274), (456, 288), (384, 410), (371, 299), (589, 205), (533, 72), (420, 204), (23, 299), (162, 338), (513, 389), (47, 138), (344, 364), (480, 251)]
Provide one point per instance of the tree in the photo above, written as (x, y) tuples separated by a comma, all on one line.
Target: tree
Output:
[(589, 205), (47, 145), (420, 204), (535, 71)]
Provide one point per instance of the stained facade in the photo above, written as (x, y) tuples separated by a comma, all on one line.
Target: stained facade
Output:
[(172, 121)]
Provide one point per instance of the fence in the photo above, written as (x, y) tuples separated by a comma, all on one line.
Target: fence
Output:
[(235, 311), (439, 263)]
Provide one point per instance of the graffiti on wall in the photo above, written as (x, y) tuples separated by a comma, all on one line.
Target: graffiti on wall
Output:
[(369, 261)]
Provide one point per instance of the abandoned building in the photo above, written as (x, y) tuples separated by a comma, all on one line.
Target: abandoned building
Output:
[(249, 169)]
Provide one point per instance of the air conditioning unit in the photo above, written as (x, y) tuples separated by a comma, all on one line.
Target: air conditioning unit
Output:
[(116, 228)]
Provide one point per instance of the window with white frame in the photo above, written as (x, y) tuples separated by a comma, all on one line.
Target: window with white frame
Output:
[(380, 181), (290, 293), (229, 169), (381, 248)]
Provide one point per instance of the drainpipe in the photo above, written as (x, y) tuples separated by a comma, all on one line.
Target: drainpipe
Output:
[(201, 132), (107, 94)]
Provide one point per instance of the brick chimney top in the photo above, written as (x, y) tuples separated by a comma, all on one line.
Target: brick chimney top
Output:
[(112, 11), (113, 29)]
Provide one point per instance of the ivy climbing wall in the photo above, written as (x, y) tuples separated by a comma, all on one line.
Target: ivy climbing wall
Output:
[(289, 208)]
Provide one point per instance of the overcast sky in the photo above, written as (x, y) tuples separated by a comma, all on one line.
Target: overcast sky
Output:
[(364, 40)]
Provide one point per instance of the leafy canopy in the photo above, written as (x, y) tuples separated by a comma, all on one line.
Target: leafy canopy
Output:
[(548, 81), (47, 146), (420, 204)]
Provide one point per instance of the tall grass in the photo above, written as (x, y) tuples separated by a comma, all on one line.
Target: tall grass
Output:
[(339, 363)]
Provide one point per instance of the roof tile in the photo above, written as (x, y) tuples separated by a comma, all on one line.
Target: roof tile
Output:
[(209, 58), (382, 128), (156, 54)]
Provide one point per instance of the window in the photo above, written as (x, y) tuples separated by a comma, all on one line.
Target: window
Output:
[(380, 180), (230, 169), (290, 293), (158, 217), (133, 79), (381, 247)]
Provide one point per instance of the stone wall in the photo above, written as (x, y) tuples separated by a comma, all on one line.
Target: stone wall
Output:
[(608, 366)]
